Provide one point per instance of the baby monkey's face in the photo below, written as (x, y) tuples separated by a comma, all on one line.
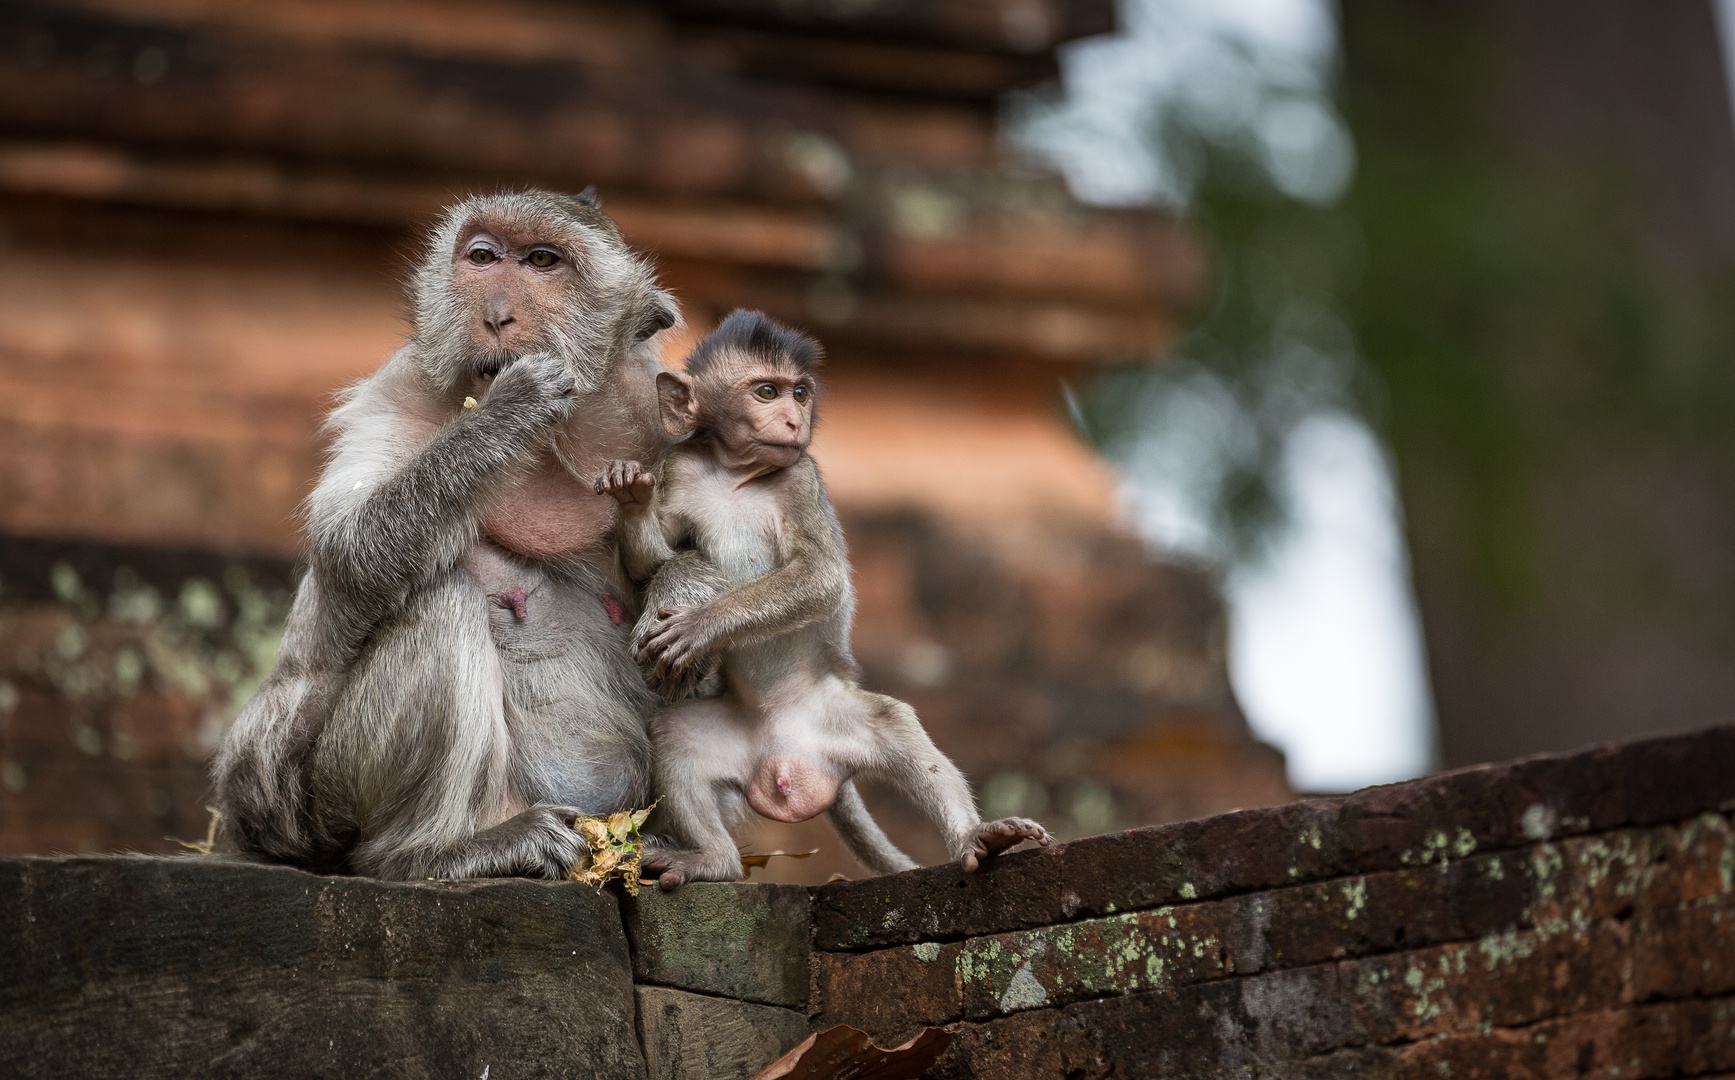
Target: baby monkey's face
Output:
[(760, 410)]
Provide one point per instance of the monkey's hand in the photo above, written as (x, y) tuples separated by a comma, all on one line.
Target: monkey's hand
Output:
[(675, 649), (993, 837), (532, 394), (627, 483), (703, 679)]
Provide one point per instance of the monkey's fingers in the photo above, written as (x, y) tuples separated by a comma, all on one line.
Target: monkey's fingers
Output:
[(683, 658), (661, 636)]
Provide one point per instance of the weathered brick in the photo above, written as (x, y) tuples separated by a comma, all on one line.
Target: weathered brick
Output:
[(1690, 861), (1503, 980), (744, 940), (891, 991), (1325, 1020), (696, 1037), (891, 994), (941, 902), (1438, 820), (1673, 1039), (142, 967), (1685, 950)]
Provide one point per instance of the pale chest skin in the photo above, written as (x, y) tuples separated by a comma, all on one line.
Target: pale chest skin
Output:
[(739, 527), (551, 513), (795, 720)]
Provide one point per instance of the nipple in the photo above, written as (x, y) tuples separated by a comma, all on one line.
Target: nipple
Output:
[(514, 601)]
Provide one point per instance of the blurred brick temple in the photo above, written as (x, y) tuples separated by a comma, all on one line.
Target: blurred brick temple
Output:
[(205, 209)]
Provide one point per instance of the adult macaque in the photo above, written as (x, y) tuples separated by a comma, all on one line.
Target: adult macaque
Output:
[(791, 730), (455, 682)]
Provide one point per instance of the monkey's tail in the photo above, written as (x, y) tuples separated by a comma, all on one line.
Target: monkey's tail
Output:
[(860, 833)]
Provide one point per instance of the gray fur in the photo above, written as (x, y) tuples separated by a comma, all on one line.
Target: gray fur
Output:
[(414, 727)]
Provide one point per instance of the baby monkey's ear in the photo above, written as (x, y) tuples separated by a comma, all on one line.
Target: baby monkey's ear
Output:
[(675, 402)]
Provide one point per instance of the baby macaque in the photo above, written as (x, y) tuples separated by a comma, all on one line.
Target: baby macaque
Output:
[(791, 730)]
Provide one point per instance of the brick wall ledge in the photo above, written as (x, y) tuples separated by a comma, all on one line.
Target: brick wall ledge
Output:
[(1557, 916)]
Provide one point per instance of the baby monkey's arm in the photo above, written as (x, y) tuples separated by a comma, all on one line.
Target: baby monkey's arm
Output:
[(811, 583), (643, 546)]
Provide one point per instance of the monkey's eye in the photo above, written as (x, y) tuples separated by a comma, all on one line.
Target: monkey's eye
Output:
[(800, 394), (542, 258), (482, 256), (765, 392)]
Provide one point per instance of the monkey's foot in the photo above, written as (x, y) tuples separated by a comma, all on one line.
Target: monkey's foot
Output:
[(993, 837), (538, 842), (679, 867)]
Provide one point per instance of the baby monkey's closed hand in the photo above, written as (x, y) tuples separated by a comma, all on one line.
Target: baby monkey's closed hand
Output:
[(627, 483), (675, 650)]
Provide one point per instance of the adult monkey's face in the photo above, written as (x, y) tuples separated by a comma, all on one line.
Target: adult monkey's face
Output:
[(513, 282), (517, 273)]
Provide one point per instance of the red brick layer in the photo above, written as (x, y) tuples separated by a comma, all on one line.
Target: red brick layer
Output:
[(1561, 916)]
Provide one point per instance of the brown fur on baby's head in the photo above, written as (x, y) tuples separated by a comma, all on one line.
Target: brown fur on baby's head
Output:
[(754, 334)]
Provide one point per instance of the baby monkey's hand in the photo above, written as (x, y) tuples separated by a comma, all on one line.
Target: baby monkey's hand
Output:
[(674, 652), (627, 483)]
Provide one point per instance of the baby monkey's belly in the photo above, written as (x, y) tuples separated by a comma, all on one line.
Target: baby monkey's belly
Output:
[(807, 748), (792, 788)]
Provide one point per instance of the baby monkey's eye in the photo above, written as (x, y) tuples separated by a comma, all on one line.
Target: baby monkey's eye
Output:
[(765, 392), (482, 256), (542, 258), (800, 394)]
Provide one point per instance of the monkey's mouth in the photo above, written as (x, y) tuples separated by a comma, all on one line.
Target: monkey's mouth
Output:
[(491, 364)]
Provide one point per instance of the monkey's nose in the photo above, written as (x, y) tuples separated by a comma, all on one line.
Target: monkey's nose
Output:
[(496, 322)]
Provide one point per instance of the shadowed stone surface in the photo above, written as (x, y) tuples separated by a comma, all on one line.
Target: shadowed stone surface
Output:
[(742, 941), (132, 966), (696, 1037), (1429, 821), (1559, 916)]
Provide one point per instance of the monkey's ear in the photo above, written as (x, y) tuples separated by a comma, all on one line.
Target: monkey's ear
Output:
[(663, 314), (675, 403), (589, 198)]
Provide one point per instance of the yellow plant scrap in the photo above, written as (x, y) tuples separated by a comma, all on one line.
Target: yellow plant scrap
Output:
[(616, 848)]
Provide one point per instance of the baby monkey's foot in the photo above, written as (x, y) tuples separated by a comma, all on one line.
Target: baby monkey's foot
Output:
[(627, 482), (993, 837), (679, 867)]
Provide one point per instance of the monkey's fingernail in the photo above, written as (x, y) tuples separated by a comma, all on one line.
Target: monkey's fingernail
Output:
[(469, 403)]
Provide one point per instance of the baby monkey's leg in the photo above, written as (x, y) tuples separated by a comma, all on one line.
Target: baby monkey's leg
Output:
[(903, 755), (700, 765)]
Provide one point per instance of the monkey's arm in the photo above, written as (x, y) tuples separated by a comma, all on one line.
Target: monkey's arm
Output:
[(643, 532), (376, 539), (811, 583)]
